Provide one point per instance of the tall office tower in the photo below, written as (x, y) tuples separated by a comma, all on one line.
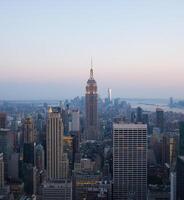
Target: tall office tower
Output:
[(109, 95), (165, 149), (91, 108), (29, 179), (1, 171), (65, 114), (180, 178), (171, 101), (170, 150), (14, 166), (28, 131), (54, 145), (145, 118), (139, 114), (173, 186), (28, 141), (6, 147), (181, 139), (39, 157), (2, 120), (75, 130), (130, 161), (160, 119), (75, 121)]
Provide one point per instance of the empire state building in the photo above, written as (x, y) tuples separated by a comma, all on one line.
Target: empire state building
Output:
[(91, 108)]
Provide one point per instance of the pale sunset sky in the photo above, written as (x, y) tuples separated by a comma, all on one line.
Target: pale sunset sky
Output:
[(46, 47)]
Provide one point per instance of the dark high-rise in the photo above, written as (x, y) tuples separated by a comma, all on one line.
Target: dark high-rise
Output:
[(91, 108), (29, 139), (181, 145), (6, 147), (139, 114), (180, 178), (160, 119), (2, 120)]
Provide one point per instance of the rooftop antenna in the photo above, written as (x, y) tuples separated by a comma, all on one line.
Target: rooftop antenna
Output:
[(91, 70)]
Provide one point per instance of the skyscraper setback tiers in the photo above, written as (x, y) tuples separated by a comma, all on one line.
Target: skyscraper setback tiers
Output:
[(91, 108), (54, 141)]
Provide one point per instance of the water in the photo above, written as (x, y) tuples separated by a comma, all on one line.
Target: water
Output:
[(153, 104)]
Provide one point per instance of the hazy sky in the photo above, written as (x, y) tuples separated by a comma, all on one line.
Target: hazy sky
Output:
[(137, 48)]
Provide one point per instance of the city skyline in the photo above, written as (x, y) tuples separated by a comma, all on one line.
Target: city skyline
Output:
[(136, 48)]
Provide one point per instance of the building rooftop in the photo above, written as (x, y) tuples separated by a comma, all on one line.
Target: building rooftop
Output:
[(129, 126)]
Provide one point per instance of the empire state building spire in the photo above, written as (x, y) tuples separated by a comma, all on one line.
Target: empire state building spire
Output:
[(91, 70), (91, 73)]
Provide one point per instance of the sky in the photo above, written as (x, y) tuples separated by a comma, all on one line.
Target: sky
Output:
[(46, 48)]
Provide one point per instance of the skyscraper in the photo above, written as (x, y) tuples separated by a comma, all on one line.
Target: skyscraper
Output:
[(39, 157), (28, 130), (160, 119), (75, 130), (1, 171), (109, 95), (2, 120), (139, 114), (29, 139), (180, 178), (75, 126), (181, 145), (130, 161), (6, 147), (91, 108), (54, 145)]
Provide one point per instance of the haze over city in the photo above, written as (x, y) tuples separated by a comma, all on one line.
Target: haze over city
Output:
[(46, 48)]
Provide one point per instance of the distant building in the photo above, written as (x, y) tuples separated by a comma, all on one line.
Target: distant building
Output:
[(145, 118), (3, 117), (65, 115), (173, 186), (65, 166), (91, 108), (39, 157), (13, 166), (68, 148), (180, 178), (57, 190), (169, 149), (4, 190), (28, 131), (30, 179), (75, 130), (109, 95), (129, 161), (1, 171), (6, 147), (165, 149), (139, 114), (75, 121), (160, 119), (181, 145), (28, 141), (171, 101), (54, 145), (29, 153), (87, 164)]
